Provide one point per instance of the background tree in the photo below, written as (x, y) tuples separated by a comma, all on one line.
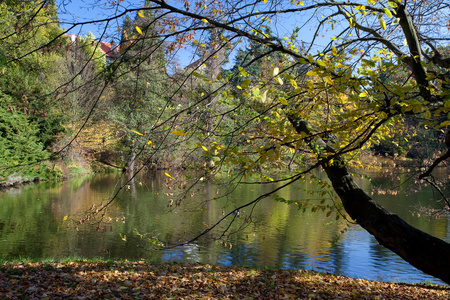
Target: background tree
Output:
[(30, 50), (140, 88)]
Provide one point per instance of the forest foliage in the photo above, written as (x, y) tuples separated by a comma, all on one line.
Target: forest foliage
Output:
[(135, 94)]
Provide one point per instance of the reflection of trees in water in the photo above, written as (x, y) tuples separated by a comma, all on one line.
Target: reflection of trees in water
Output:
[(281, 236)]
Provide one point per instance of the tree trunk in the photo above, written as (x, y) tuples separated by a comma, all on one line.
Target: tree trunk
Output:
[(425, 252), (129, 167)]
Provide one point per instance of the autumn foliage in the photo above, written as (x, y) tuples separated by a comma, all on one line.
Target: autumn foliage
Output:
[(142, 280)]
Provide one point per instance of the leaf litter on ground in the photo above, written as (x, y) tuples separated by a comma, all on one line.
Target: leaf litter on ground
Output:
[(143, 280)]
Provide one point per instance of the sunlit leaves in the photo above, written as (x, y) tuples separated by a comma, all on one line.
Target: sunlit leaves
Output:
[(279, 80), (392, 4), (242, 71), (388, 12), (382, 23), (276, 70), (137, 132), (168, 175), (283, 101), (139, 30), (178, 132), (321, 63)]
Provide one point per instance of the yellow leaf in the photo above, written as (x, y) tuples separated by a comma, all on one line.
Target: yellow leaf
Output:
[(242, 71), (362, 95), (168, 175), (139, 30), (178, 132), (205, 21), (150, 143), (204, 148), (334, 50), (65, 218), (141, 14), (283, 101), (382, 23), (293, 83), (388, 12), (137, 132)]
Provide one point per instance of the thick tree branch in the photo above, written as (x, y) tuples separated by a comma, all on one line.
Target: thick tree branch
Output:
[(412, 244), (415, 59)]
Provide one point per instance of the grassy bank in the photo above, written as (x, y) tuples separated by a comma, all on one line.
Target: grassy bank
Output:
[(142, 280)]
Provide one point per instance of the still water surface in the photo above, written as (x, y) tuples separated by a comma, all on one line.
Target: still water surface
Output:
[(279, 236)]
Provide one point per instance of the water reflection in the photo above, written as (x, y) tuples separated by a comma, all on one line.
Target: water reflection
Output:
[(280, 236)]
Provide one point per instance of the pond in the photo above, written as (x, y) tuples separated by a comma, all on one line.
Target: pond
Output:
[(275, 234)]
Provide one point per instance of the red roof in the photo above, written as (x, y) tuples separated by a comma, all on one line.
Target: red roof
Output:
[(108, 49)]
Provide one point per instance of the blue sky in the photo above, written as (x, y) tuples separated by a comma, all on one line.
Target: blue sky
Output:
[(72, 11)]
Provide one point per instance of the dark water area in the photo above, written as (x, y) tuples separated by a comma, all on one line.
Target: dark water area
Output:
[(274, 234)]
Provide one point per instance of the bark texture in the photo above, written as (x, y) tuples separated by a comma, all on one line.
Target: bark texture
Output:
[(425, 252)]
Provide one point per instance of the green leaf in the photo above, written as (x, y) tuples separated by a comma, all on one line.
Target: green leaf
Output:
[(283, 101), (198, 75), (393, 4), (246, 83), (288, 76), (2, 59), (321, 63), (444, 124)]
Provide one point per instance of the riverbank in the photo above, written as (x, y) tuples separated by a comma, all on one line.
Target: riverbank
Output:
[(142, 280)]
